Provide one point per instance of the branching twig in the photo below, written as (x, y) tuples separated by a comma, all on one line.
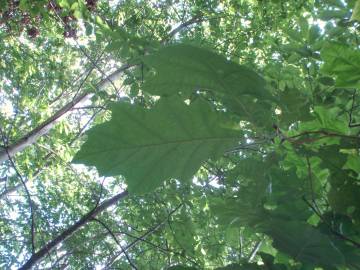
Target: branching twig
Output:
[(310, 174), (326, 134), (336, 233), (49, 157), (195, 19), (351, 125), (164, 250), (27, 193), (317, 211), (92, 61), (39, 255), (146, 234), (89, 108), (100, 194), (117, 241)]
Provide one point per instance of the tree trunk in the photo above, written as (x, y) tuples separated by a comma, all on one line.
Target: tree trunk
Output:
[(40, 254), (45, 127)]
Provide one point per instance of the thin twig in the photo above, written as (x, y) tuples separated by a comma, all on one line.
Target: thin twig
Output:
[(351, 112), (318, 132), (255, 250), (100, 194), (311, 183), (164, 250), (195, 19), (338, 234), (94, 63), (146, 234), (116, 240), (48, 158), (89, 108), (84, 80), (39, 255), (27, 193)]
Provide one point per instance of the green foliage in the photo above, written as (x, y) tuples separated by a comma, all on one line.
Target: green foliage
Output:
[(188, 69), (303, 243), (356, 12), (185, 68), (179, 267), (336, 58), (234, 125), (173, 133)]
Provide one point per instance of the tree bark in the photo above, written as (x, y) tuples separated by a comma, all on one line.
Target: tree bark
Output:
[(40, 254), (45, 127)]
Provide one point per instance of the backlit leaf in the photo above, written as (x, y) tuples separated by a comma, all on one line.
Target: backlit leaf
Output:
[(186, 69), (343, 62), (149, 146)]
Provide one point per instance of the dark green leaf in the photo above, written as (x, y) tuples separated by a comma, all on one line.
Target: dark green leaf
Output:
[(304, 243), (186, 69)]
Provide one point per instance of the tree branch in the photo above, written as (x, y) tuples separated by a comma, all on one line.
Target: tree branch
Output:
[(117, 242), (336, 233), (325, 134), (193, 20), (48, 159), (146, 234), (351, 125), (45, 127), (31, 205), (38, 256), (255, 250)]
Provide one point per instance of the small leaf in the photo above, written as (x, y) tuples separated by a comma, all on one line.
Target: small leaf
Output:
[(353, 163), (78, 14), (64, 4), (356, 12), (314, 33), (325, 80)]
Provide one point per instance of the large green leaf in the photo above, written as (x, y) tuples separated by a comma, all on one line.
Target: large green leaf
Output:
[(257, 112), (303, 242), (186, 69), (148, 146), (238, 211), (342, 62), (294, 106)]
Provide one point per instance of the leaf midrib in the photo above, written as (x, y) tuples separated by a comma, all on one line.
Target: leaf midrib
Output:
[(171, 142)]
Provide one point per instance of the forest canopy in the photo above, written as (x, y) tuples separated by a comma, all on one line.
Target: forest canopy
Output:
[(180, 134)]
